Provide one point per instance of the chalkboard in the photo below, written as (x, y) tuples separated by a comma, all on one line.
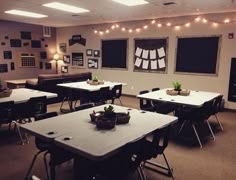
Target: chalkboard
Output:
[(198, 55), (114, 53)]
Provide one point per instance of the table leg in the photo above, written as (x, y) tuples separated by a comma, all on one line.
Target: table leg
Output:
[(52, 167)]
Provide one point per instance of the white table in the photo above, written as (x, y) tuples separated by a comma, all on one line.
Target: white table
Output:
[(196, 98), (87, 141), (22, 95), (83, 85)]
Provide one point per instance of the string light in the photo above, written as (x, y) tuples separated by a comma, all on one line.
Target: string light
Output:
[(168, 24)]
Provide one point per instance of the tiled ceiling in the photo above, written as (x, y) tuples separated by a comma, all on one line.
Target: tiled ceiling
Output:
[(106, 11)]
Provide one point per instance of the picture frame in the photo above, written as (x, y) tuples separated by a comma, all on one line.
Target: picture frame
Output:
[(96, 53), (92, 63), (66, 59), (62, 47), (89, 52), (64, 69)]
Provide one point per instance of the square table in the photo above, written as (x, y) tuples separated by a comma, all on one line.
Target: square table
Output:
[(87, 141), (195, 98), (84, 86)]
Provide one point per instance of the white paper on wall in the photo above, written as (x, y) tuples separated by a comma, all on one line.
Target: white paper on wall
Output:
[(138, 52), (154, 64), (145, 54), (153, 54), (138, 62), (145, 64), (161, 63), (161, 52)]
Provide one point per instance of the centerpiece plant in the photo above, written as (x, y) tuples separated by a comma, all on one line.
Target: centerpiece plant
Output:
[(177, 86)]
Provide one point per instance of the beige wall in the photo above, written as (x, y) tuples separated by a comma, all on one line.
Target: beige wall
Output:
[(139, 80), (12, 30)]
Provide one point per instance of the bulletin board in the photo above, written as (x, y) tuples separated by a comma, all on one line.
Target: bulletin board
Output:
[(198, 55), (151, 55)]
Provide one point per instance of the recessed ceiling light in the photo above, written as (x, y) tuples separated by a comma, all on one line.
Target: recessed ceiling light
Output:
[(131, 2), (25, 13), (65, 7)]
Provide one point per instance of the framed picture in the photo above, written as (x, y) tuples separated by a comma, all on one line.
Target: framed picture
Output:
[(64, 69), (48, 66), (62, 47), (93, 63), (89, 52), (77, 59), (96, 53), (66, 59)]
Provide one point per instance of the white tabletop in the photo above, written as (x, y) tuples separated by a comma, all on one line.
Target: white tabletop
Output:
[(83, 85), (22, 95), (87, 140), (196, 98)]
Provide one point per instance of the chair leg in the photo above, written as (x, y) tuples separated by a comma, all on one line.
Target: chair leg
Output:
[(32, 164), (219, 122), (211, 130), (195, 131), (18, 130), (181, 127), (141, 173), (45, 164), (170, 169)]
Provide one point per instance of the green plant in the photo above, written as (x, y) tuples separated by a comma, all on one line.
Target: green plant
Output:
[(109, 111), (95, 79), (177, 86)]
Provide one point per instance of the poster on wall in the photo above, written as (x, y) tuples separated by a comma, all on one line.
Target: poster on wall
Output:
[(93, 63), (150, 55), (7, 54), (78, 59)]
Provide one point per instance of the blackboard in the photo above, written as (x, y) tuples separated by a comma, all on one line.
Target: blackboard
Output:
[(114, 53), (197, 55)]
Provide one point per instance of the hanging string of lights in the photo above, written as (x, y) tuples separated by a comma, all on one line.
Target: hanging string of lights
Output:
[(158, 24)]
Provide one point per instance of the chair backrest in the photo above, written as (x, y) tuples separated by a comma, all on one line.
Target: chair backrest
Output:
[(37, 105), (155, 89), (6, 112), (104, 93), (157, 145), (84, 106), (202, 113), (117, 91), (217, 104), (45, 115), (144, 102)]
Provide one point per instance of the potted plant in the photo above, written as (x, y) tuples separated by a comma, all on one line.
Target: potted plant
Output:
[(108, 119), (177, 86), (95, 79)]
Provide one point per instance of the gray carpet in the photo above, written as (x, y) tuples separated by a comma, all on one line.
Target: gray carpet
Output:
[(215, 161)]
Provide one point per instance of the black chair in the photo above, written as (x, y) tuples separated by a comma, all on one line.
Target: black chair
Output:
[(37, 106), (116, 167), (162, 107), (116, 93), (7, 116), (145, 104), (154, 147), (216, 108), (42, 145), (84, 106), (104, 93), (195, 116)]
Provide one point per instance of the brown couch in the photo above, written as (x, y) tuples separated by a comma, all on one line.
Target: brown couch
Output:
[(48, 82)]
